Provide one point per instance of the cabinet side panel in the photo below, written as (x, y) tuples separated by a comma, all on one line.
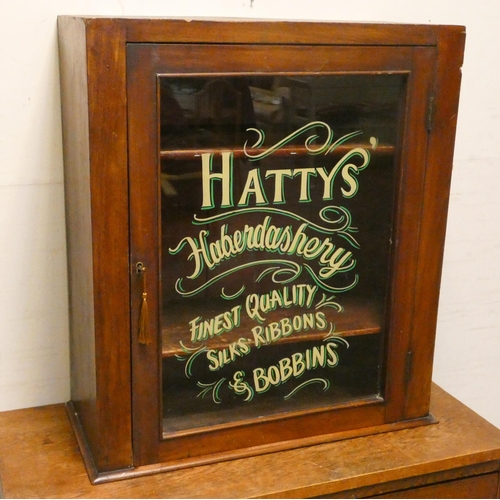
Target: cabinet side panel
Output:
[(94, 120), (73, 73)]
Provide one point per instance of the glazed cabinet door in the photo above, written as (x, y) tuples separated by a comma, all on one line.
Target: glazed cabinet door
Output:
[(275, 197)]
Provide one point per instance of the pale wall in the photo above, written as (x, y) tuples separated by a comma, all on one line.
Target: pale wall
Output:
[(34, 366)]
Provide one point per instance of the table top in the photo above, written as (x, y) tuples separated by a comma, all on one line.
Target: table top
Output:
[(39, 457)]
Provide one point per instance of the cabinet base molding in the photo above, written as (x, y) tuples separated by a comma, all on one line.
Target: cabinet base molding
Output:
[(97, 477)]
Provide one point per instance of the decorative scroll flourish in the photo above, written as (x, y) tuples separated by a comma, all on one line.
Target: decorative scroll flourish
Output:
[(331, 333), (233, 296), (213, 388), (332, 289), (191, 355), (328, 302), (343, 139), (336, 340), (311, 150), (324, 381), (279, 267), (326, 147), (338, 217)]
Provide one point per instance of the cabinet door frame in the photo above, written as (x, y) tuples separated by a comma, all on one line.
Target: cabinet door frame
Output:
[(145, 62)]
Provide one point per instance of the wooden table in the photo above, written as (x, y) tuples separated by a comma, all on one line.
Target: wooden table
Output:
[(457, 458)]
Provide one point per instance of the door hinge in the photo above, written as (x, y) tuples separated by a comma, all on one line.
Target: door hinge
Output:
[(430, 114), (408, 367)]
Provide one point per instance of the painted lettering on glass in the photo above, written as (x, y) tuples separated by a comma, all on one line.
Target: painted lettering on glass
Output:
[(250, 223)]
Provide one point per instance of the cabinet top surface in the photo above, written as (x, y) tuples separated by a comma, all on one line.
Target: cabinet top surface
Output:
[(263, 31)]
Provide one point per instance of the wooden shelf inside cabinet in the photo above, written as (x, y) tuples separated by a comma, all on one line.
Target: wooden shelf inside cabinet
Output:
[(359, 318), (381, 150)]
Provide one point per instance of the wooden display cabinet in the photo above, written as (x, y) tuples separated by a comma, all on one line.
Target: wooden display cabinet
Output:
[(256, 215)]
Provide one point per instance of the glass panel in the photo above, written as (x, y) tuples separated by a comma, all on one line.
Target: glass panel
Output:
[(277, 209)]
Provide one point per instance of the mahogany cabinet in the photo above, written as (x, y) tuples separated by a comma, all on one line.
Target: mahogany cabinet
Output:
[(256, 215)]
